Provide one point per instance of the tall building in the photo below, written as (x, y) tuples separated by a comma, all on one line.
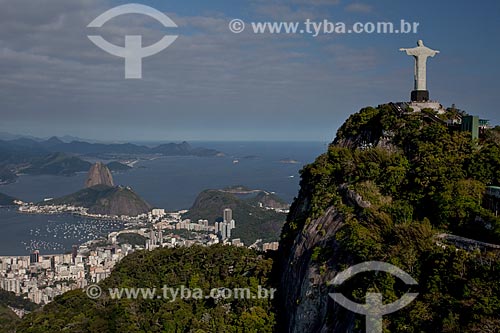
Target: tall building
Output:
[(74, 252), (223, 230), (228, 215), (160, 236), (152, 236), (34, 257)]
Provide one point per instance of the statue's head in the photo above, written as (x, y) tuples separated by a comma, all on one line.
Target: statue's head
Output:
[(420, 42)]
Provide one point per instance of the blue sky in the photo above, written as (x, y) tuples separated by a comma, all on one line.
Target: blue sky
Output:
[(214, 85)]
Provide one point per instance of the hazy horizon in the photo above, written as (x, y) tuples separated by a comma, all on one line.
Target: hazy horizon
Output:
[(212, 84), (7, 136)]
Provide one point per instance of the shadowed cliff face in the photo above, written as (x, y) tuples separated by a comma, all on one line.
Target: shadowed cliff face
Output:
[(304, 282), (99, 174)]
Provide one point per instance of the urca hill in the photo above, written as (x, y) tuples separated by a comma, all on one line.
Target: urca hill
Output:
[(101, 196)]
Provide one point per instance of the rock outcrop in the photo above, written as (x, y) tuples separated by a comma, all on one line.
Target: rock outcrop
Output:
[(106, 200), (304, 286), (101, 196), (99, 174)]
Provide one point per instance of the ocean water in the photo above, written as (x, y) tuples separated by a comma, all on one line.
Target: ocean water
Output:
[(168, 182), (50, 234)]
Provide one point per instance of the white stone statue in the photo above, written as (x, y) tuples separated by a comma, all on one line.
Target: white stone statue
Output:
[(420, 53)]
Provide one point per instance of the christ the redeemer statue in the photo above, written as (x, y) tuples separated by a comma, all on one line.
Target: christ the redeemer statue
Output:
[(420, 53)]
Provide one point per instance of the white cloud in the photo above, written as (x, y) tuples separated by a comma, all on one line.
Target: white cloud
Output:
[(317, 2), (50, 73)]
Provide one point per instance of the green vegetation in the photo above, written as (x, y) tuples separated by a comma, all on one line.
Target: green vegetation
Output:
[(238, 188), (269, 200), (117, 166), (194, 267), (8, 319), (26, 156), (10, 299), (57, 164), (187, 234), (102, 199), (131, 238), (252, 222), (428, 179), (7, 176)]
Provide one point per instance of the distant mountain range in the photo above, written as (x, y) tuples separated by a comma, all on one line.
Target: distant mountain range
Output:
[(56, 157), (65, 138), (54, 144), (56, 164)]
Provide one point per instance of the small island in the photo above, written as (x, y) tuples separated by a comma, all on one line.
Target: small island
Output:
[(289, 161)]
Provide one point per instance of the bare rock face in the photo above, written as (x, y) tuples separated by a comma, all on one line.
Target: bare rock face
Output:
[(305, 284), (305, 287), (99, 174)]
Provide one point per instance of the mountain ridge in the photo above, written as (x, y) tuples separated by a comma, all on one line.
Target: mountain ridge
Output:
[(56, 157), (388, 186)]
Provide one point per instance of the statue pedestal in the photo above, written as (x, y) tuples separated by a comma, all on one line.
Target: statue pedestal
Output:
[(419, 95)]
